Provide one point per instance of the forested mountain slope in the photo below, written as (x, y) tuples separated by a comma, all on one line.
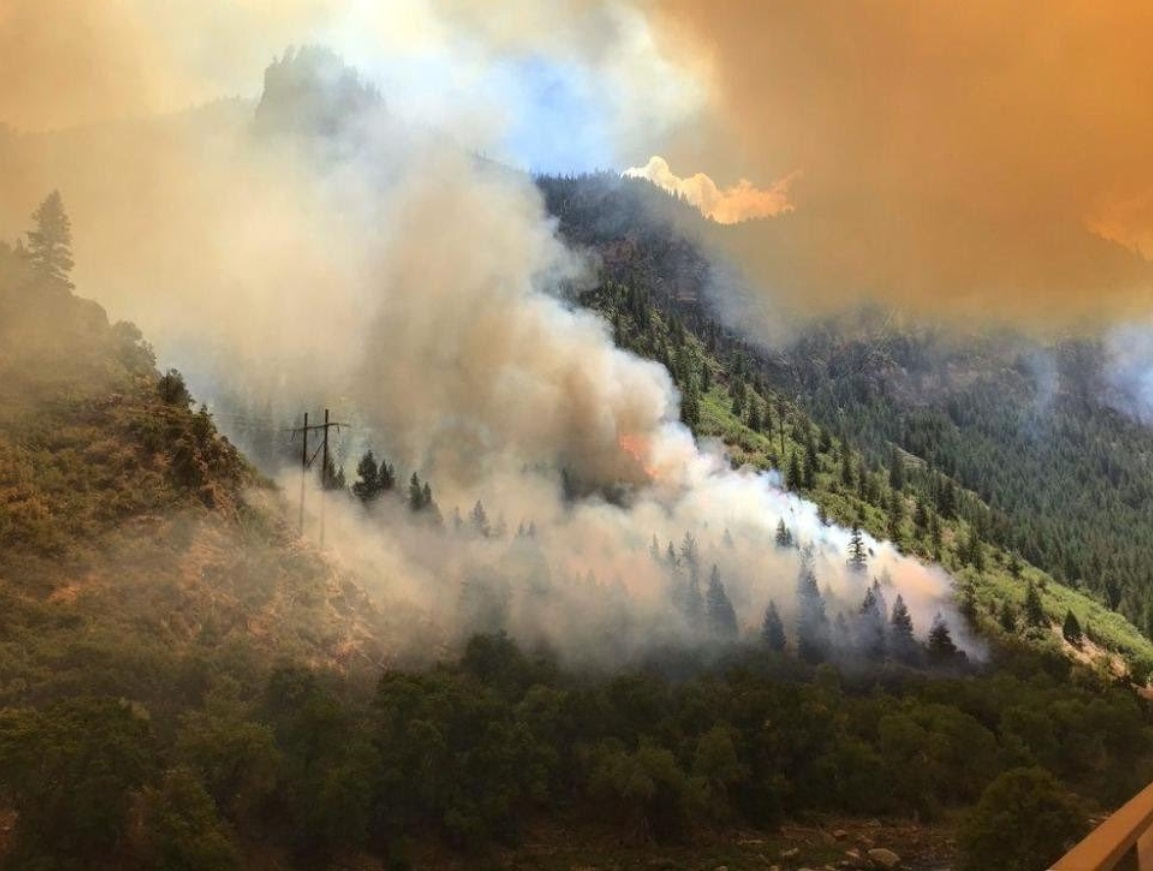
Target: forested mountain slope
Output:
[(946, 443), (1031, 428), (138, 550), (184, 683)]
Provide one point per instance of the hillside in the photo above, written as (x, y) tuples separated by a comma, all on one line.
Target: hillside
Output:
[(180, 673), (186, 683), (139, 552), (939, 443)]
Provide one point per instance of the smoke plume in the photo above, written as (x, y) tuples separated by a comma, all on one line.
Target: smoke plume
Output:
[(965, 159), (375, 266)]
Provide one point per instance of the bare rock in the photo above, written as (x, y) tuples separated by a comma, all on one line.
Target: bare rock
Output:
[(883, 858)]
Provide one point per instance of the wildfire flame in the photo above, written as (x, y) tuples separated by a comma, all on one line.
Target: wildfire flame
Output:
[(637, 447)]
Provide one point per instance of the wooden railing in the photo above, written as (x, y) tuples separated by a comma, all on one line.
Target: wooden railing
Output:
[(1124, 842)]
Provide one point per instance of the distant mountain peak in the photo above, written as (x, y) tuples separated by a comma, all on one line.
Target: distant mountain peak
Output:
[(310, 91)]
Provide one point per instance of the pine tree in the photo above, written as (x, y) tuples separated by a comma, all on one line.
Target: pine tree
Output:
[(941, 646), (901, 640), (896, 516), (846, 465), (690, 406), (896, 471), (793, 478), (415, 493), (1072, 629), (784, 535), (719, 610), (972, 551), (1034, 610), (50, 241), (810, 468), (935, 535), (478, 517), (1007, 617), (947, 498), (921, 517), (886, 580), (812, 621), (367, 487), (871, 628), (738, 392), (826, 441), (773, 629), (690, 554), (858, 557), (754, 415)]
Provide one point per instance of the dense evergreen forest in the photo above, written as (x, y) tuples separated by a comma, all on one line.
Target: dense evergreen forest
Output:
[(1021, 439), (207, 715)]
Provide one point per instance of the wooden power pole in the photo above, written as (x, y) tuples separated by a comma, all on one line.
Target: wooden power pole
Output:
[(306, 461), (303, 470)]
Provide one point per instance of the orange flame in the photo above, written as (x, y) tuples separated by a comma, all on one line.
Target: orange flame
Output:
[(731, 205), (637, 447)]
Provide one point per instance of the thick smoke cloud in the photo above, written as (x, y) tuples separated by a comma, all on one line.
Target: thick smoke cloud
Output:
[(961, 158), (519, 81), (955, 158), (392, 274)]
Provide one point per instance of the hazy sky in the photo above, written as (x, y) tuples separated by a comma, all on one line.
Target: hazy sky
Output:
[(974, 158)]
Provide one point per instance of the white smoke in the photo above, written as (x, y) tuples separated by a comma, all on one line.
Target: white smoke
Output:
[(1130, 369), (425, 293), (476, 372)]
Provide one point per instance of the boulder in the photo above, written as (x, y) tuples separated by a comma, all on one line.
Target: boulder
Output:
[(883, 858)]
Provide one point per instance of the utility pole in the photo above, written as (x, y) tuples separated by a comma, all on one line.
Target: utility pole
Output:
[(324, 477), (306, 461), (303, 471)]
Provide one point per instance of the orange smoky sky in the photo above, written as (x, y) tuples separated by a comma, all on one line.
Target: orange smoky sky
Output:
[(977, 157), (67, 63), (981, 157)]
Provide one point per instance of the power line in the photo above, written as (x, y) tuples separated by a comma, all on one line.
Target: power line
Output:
[(306, 461)]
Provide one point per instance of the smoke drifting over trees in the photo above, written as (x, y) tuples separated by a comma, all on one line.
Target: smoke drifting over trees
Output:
[(429, 289)]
